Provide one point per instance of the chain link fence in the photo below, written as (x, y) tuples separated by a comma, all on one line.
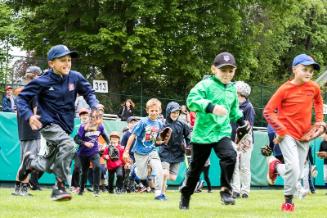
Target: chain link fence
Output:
[(11, 73)]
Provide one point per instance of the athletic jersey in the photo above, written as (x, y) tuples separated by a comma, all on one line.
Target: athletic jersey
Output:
[(89, 136), (294, 108)]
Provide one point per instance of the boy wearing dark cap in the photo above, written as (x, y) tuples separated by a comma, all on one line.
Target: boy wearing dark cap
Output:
[(294, 101), (56, 91), (216, 105)]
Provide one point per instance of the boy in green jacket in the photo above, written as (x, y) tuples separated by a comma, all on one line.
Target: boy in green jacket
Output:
[(216, 105)]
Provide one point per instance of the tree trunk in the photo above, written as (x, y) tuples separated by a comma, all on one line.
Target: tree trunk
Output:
[(113, 74)]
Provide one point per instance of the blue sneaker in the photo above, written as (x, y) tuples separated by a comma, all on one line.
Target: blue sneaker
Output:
[(161, 197)]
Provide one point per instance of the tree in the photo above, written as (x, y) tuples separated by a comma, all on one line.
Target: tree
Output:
[(163, 48)]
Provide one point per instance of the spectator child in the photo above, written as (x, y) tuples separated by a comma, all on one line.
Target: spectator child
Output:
[(84, 118), (242, 174), (323, 155), (30, 140), (87, 138), (113, 154)]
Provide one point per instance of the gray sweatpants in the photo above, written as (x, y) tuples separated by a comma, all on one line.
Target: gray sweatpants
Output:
[(60, 153), (153, 160), (295, 154), (32, 146)]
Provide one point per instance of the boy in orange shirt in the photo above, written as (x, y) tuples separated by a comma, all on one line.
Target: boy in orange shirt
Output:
[(293, 101)]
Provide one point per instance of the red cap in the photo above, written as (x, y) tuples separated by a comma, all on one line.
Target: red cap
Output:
[(83, 111), (8, 87)]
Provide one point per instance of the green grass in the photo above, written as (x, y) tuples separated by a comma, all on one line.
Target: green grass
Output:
[(262, 203)]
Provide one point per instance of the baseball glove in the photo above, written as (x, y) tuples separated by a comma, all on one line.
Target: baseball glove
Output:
[(165, 135), (245, 143), (266, 151), (314, 132), (242, 131)]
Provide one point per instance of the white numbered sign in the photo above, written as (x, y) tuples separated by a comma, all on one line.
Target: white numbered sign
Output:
[(100, 86)]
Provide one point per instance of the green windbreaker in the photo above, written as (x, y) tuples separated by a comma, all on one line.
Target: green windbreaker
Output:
[(210, 128)]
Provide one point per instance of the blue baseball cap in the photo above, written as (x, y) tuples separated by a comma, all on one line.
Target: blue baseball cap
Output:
[(60, 51), (305, 60)]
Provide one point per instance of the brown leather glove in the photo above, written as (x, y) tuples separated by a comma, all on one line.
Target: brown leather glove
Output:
[(165, 135), (314, 132)]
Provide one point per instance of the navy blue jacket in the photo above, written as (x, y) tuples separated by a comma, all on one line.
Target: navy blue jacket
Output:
[(248, 113), (174, 151), (6, 104), (56, 97)]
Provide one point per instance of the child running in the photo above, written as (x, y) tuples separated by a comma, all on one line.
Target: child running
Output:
[(216, 105), (172, 154), (146, 132), (56, 92), (294, 101)]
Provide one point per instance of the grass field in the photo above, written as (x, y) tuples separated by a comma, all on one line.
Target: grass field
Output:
[(262, 203)]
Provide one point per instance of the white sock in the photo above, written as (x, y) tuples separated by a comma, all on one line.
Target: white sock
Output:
[(157, 192)]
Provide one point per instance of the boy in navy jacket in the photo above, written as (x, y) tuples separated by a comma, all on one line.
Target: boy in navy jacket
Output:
[(56, 91)]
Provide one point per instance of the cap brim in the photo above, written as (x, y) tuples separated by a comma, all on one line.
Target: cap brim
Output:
[(223, 65), (314, 64), (72, 54)]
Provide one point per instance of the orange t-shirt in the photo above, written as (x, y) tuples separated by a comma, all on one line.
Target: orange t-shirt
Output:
[(294, 108)]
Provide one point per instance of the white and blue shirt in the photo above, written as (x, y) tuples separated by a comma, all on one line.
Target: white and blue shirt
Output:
[(146, 131)]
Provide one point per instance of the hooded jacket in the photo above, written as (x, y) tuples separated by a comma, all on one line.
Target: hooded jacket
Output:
[(174, 151)]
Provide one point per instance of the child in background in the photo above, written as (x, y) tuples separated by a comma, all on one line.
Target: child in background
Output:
[(87, 137), (146, 132), (242, 174), (84, 118), (216, 105), (323, 155), (30, 140), (294, 101), (172, 154), (309, 173), (205, 171), (102, 146), (113, 154), (184, 115), (131, 121)]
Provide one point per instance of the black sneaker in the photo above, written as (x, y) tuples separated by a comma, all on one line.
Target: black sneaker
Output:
[(81, 192), (184, 203), (17, 190), (227, 198), (60, 195), (244, 195), (236, 195), (24, 170), (24, 191)]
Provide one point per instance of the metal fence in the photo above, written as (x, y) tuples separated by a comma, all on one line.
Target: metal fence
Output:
[(9, 73)]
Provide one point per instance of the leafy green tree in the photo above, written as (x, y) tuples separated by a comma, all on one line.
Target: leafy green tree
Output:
[(162, 48)]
